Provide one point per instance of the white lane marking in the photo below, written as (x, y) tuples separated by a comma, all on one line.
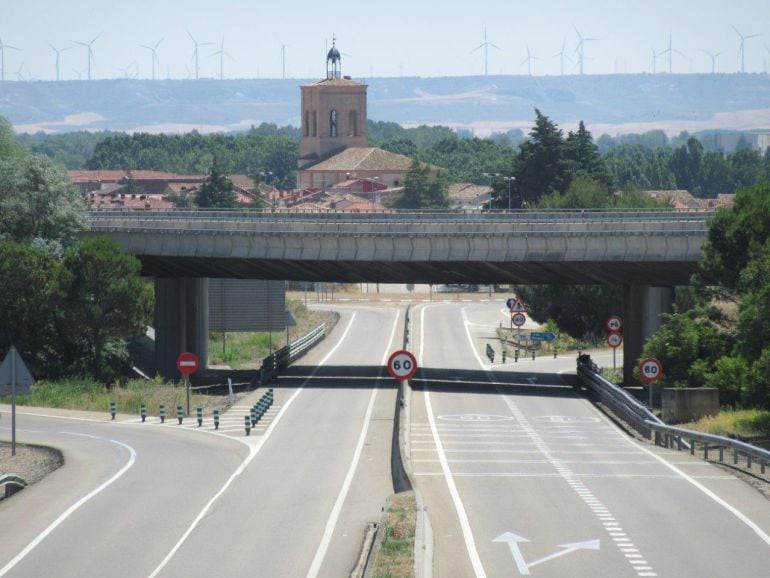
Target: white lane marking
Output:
[(692, 480), (253, 451), (323, 547), (470, 543), (69, 511)]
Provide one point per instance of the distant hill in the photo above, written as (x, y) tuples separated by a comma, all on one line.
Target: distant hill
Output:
[(608, 103)]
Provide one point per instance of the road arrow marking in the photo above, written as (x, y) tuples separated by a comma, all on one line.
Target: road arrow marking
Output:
[(514, 540), (588, 545), (513, 543)]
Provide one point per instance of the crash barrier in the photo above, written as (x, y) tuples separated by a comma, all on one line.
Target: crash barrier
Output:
[(11, 483), (275, 362), (680, 438), (258, 410), (621, 403)]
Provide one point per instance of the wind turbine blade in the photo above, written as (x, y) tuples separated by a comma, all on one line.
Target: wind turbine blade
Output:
[(736, 31), (751, 36), (577, 32), (96, 38), (158, 43), (494, 46), (479, 47)]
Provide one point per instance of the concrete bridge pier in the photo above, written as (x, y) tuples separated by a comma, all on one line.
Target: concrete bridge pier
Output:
[(641, 318), (181, 322)]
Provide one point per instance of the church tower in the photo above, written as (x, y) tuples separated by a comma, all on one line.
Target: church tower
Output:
[(333, 114)]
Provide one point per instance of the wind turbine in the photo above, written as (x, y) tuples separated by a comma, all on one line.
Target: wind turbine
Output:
[(58, 52), (283, 60), (562, 56), (485, 45), (670, 51), (195, 52), (90, 51), (19, 75), (154, 52), (654, 59), (579, 49), (713, 60), (221, 53), (530, 57), (742, 49), (2, 58)]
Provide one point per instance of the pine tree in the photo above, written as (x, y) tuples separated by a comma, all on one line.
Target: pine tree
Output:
[(217, 192)]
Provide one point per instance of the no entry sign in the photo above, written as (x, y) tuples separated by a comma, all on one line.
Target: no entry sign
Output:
[(402, 365), (187, 363)]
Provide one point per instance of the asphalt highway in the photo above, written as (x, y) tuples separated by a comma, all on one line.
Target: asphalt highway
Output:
[(292, 499), (522, 476)]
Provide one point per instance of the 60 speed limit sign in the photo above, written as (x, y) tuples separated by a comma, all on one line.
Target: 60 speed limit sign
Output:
[(402, 365), (650, 369)]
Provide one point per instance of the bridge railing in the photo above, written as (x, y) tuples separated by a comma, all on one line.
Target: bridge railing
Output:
[(277, 361)]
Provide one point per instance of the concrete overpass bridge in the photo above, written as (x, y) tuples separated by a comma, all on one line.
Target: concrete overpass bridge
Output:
[(647, 252)]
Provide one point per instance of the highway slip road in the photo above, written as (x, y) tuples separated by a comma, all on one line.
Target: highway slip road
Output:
[(293, 499), (521, 476)]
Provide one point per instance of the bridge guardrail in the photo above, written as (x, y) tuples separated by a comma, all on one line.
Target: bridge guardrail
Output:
[(11, 483), (620, 402), (277, 361)]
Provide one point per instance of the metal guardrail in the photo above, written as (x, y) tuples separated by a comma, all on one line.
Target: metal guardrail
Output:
[(642, 420), (11, 483), (620, 402), (275, 362), (671, 436)]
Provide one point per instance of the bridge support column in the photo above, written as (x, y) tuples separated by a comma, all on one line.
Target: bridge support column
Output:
[(641, 318), (181, 322)]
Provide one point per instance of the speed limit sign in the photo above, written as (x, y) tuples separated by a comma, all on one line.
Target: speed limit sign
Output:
[(614, 323), (518, 319), (650, 369), (614, 339), (402, 365)]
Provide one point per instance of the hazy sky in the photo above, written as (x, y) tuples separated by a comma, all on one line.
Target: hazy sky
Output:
[(378, 37)]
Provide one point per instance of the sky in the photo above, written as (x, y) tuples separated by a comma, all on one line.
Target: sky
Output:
[(377, 37)]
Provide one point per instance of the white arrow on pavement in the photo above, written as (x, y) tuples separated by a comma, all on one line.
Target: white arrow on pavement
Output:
[(587, 545), (513, 543), (514, 540)]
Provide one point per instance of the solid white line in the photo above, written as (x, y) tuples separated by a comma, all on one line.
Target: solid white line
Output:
[(323, 547), (465, 525), (253, 451), (69, 511)]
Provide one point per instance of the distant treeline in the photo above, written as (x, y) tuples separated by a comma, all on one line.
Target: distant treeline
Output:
[(269, 153)]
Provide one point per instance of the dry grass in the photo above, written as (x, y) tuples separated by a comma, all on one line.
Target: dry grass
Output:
[(31, 463), (395, 556), (746, 423)]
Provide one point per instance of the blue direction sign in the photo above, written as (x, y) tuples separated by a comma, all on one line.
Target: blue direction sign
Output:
[(540, 336)]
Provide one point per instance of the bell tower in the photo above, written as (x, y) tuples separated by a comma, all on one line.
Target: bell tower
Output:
[(333, 113)]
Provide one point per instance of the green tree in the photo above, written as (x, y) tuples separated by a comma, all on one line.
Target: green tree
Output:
[(217, 191), (421, 190), (9, 146), (580, 149), (38, 202), (107, 302)]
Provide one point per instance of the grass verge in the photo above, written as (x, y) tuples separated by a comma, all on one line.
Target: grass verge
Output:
[(744, 423), (395, 556)]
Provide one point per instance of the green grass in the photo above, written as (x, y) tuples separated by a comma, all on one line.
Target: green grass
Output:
[(395, 558), (743, 423), (89, 395)]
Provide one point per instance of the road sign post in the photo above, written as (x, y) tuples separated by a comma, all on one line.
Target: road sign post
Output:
[(650, 370), (402, 365), (14, 372), (187, 363), (614, 339)]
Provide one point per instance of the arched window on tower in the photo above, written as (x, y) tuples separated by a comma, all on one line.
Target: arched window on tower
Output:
[(315, 124), (333, 123), (353, 123), (306, 123)]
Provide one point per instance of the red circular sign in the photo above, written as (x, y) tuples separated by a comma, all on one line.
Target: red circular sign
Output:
[(614, 339), (650, 369), (187, 363), (518, 319), (614, 323), (402, 365)]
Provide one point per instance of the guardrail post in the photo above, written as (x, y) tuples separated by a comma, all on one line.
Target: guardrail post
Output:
[(533, 355), (199, 412), (679, 443), (657, 438), (515, 355), (143, 411), (216, 419), (112, 409), (503, 354), (692, 446), (762, 467), (247, 424), (179, 414), (748, 461), (162, 414), (705, 451), (735, 457), (721, 453)]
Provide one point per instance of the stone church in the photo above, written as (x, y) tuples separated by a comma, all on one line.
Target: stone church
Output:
[(333, 146)]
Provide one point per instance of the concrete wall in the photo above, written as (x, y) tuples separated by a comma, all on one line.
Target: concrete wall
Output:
[(689, 404)]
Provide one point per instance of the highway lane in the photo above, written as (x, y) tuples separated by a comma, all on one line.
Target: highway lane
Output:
[(292, 499), (521, 476), (156, 477), (322, 471)]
